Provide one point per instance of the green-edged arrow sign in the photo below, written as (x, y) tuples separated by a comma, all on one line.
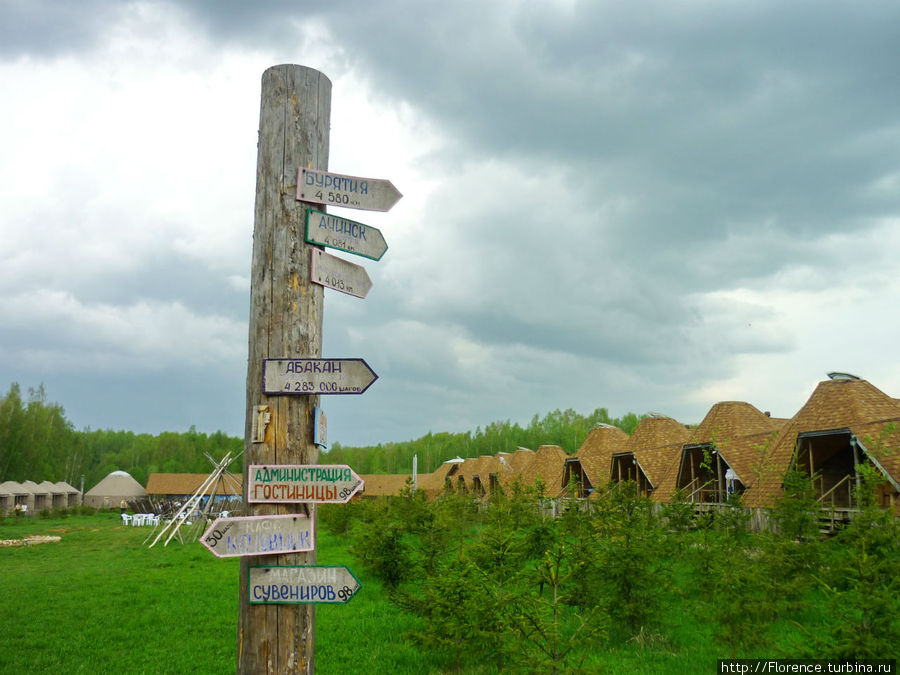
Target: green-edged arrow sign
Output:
[(344, 234), (301, 585)]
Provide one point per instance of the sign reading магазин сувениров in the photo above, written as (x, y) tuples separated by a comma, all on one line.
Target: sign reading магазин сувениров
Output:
[(300, 584)]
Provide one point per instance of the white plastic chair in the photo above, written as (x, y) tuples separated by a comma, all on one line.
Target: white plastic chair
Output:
[(126, 519)]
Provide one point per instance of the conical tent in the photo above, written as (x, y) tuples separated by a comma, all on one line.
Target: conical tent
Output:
[(110, 491)]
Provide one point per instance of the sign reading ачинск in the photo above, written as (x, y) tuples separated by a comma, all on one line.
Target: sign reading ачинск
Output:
[(344, 235), (305, 484)]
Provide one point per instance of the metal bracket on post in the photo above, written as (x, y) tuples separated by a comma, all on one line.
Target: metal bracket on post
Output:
[(261, 423)]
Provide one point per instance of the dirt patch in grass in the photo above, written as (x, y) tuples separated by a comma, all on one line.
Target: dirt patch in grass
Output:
[(29, 541)]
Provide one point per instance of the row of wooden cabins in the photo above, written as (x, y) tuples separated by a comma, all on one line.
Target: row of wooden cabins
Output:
[(30, 497), (736, 448)]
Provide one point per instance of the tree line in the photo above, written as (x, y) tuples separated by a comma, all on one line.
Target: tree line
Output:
[(567, 429), (38, 442)]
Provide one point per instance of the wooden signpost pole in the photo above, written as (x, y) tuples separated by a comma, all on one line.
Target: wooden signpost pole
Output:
[(285, 322)]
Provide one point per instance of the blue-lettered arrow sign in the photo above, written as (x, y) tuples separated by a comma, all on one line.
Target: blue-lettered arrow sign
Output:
[(344, 234), (301, 585), (354, 192)]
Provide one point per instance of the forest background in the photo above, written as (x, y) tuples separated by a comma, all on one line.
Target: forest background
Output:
[(38, 443)]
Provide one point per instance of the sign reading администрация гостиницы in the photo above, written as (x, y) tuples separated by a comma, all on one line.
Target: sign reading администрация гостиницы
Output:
[(312, 483)]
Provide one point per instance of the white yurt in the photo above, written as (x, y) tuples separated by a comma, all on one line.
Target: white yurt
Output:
[(110, 491)]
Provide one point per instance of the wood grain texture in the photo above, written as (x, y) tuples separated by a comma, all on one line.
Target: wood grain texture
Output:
[(285, 322)]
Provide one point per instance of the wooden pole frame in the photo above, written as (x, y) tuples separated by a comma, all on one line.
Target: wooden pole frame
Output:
[(285, 322)]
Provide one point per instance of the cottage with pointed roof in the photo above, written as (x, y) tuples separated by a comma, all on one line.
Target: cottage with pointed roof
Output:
[(649, 456), (722, 455), (590, 468), (845, 423)]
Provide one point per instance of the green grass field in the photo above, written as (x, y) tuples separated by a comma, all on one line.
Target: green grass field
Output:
[(101, 601)]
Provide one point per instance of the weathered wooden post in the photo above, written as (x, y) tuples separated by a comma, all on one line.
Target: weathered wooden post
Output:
[(285, 322)]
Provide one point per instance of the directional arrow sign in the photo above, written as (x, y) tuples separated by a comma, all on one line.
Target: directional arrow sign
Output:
[(345, 235), (316, 376), (354, 192), (306, 484), (337, 273), (300, 585), (259, 535)]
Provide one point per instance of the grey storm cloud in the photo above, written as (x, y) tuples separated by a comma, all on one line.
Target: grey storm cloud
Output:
[(620, 193)]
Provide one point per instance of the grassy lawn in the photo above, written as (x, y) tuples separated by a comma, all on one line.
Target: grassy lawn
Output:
[(101, 601)]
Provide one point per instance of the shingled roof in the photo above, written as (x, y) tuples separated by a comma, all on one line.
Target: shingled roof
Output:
[(732, 419), (433, 483), (549, 463), (595, 453), (656, 445), (164, 484), (384, 485), (834, 405), (740, 432)]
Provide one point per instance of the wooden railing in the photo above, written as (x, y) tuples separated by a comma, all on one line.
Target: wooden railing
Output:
[(690, 496), (832, 491)]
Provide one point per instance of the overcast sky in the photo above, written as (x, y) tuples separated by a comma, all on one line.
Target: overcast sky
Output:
[(643, 206)]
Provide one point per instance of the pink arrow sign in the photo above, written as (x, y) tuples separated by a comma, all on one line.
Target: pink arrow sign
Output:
[(354, 192)]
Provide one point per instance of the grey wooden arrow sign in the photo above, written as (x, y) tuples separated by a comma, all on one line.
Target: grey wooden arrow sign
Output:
[(316, 376), (259, 535), (354, 192), (345, 235), (339, 274)]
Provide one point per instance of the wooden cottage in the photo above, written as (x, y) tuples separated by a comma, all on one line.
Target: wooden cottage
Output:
[(39, 498), (651, 453), (723, 454), (845, 423), (589, 469), (548, 464), (182, 486), (384, 485), (13, 494)]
